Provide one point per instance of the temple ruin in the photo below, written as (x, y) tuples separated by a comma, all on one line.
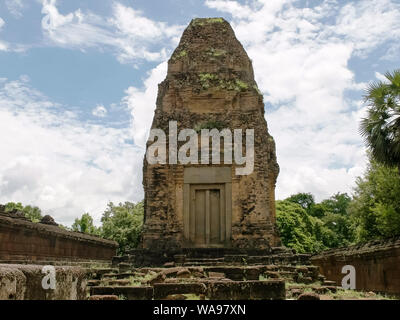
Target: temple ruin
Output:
[(210, 85)]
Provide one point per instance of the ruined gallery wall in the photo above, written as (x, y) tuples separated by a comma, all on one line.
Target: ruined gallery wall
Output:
[(22, 240), (377, 265)]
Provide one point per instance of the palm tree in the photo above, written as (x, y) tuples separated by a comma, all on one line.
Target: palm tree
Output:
[(381, 127)]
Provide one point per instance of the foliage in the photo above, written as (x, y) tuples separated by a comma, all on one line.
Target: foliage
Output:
[(376, 203), (123, 224), (296, 227), (85, 224), (381, 127), (309, 227), (305, 200), (32, 213)]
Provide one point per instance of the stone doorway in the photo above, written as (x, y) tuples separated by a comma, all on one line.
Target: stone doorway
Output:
[(207, 207), (207, 213)]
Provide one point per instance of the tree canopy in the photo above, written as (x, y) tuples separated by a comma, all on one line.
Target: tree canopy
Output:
[(32, 213), (376, 203), (123, 224), (381, 127)]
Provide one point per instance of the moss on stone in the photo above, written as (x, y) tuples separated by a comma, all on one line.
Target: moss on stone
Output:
[(216, 52), (240, 85), (258, 90), (203, 21), (181, 54), (206, 79)]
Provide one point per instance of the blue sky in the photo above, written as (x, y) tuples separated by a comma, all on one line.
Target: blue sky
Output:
[(78, 83)]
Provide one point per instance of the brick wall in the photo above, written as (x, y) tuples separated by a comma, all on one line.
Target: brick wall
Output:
[(22, 240), (377, 265)]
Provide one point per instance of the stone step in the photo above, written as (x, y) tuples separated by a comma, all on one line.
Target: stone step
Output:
[(93, 283), (97, 274), (162, 290), (119, 283), (220, 263), (204, 260), (245, 290), (118, 276), (103, 297), (130, 293)]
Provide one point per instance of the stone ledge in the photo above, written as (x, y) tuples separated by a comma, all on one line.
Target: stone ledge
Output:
[(24, 282)]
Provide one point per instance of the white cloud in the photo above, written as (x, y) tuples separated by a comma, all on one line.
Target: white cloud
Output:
[(3, 45), (142, 103), (100, 111), (367, 24), (64, 166), (127, 32), (15, 7), (301, 57)]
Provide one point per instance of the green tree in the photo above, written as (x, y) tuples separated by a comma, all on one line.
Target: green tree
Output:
[(297, 228), (32, 213), (85, 224), (339, 230), (381, 127), (123, 224), (309, 227), (376, 203), (305, 200)]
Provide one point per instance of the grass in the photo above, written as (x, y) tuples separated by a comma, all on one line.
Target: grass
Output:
[(137, 281), (340, 294)]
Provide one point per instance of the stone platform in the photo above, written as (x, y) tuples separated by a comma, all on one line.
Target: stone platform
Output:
[(211, 256)]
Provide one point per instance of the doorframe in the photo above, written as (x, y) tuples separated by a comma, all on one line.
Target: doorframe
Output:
[(222, 214), (203, 177)]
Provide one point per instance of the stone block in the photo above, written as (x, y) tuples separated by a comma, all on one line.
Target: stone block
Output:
[(161, 290), (247, 290)]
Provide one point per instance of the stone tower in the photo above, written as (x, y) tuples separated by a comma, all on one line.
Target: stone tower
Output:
[(210, 85)]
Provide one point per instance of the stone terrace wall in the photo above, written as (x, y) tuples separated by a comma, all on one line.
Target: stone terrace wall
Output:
[(24, 282), (377, 265), (22, 240)]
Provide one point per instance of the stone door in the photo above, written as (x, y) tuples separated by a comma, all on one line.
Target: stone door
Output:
[(207, 214), (207, 207)]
